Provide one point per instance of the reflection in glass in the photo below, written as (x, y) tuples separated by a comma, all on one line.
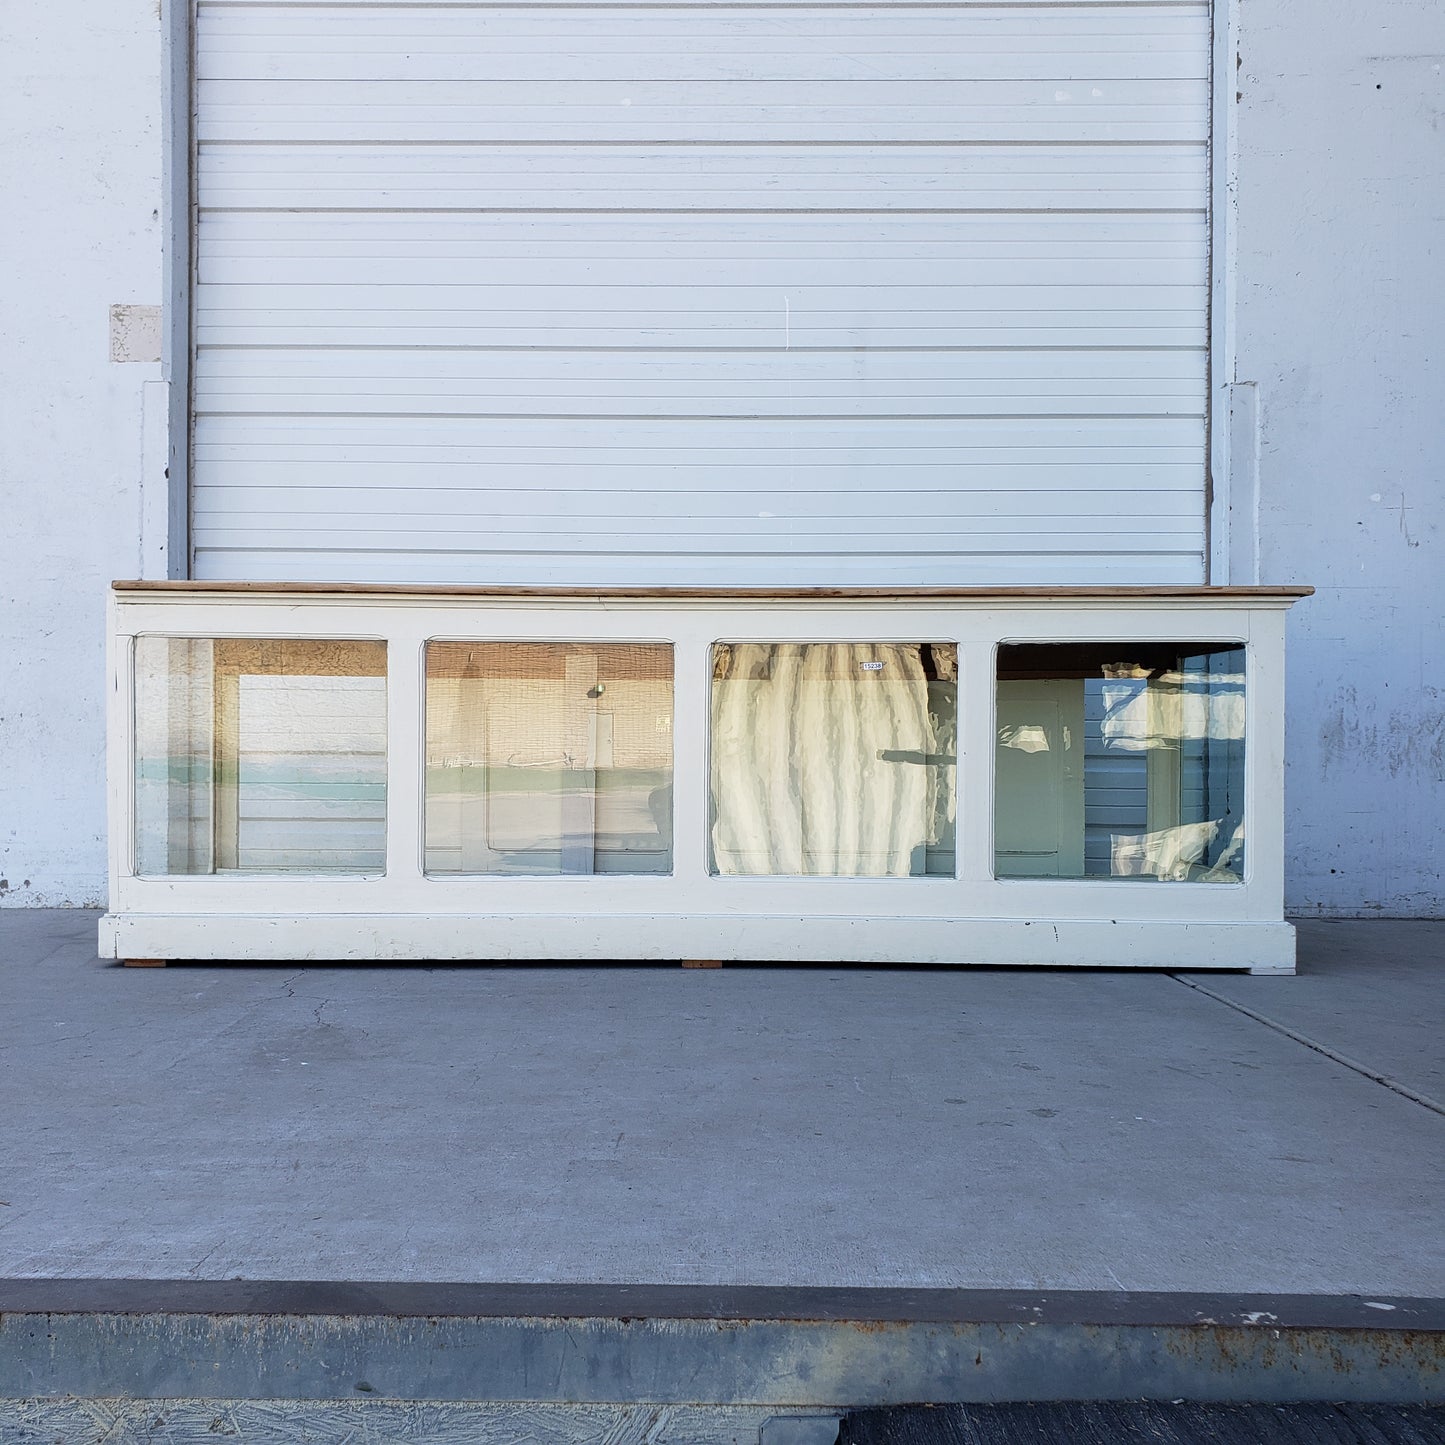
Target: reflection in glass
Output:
[(548, 757), (1120, 760), (834, 758), (259, 756)]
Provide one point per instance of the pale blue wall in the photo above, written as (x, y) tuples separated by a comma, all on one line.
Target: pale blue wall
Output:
[(1340, 315), (1341, 323)]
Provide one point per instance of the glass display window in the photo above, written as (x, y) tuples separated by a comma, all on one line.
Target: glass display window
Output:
[(259, 755), (834, 759), (548, 757), (1120, 760)]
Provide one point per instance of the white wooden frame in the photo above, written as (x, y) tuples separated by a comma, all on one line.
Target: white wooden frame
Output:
[(973, 918)]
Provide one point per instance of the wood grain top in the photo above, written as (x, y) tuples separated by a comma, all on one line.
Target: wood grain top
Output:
[(710, 594)]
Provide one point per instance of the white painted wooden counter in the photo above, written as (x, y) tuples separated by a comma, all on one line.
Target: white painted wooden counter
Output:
[(1168, 756)]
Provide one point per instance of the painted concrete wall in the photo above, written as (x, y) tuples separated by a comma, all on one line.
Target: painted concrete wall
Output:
[(1341, 146), (1341, 324), (80, 173)]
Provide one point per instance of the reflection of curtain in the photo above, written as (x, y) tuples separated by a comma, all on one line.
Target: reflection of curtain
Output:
[(1159, 711), (801, 783), (1170, 853)]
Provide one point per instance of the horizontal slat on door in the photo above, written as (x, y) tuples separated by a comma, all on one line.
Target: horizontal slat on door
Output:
[(451, 282), (623, 110), (885, 239), (427, 504), (943, 383), (1043, 327), (984, 566), (670, 547), (527, 486), (452, 437), (379, 179), (362, 7), (668, 490), (775, 281), (684, 292), (817, 43), (707, 316), (587, 533)]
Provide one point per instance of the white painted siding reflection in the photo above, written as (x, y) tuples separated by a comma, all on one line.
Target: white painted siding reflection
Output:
[(311, 773), (257, 755)]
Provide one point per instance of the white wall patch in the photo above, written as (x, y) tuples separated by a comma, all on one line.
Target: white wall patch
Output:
[(135, 333)]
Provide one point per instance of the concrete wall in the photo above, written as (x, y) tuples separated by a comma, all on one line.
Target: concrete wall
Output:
[(1341, 323), (80, 171), (1341, 146)]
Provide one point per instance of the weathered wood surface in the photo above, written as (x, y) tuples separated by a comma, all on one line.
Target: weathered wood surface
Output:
[(371, 1422), (390, 1422), (721, 594)]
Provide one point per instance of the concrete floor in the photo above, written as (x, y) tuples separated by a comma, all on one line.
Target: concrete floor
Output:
[(830, 1126)]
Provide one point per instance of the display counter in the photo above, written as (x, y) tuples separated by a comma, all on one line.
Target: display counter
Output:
[(1053, 776)]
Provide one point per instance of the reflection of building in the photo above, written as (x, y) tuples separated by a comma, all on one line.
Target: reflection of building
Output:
[(549, 706), (545, 757), (1125, 769), (228, 774), (681, 296)]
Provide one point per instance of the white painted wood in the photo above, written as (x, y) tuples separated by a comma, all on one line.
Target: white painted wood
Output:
[(972, 917), (1264, 760), (406, 749), (591, 293), (976, 731), (730, 937), (119, 751)]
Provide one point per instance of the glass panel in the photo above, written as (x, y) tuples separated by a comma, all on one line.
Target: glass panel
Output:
[(548, 757), (1120, 760), (834, 758), (260, 756)]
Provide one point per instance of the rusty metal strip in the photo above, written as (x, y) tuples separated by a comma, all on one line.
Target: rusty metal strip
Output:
[(626, 1302)]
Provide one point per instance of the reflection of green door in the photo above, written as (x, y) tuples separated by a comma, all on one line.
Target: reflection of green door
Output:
[(1039, 779)]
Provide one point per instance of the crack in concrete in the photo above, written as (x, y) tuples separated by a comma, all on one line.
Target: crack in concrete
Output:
[(200, 1263), (1364, 1070)]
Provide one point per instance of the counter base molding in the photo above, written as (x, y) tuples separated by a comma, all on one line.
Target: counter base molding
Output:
[(1261, 948)]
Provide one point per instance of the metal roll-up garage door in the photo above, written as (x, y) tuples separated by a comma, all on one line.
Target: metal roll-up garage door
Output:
[(701, 292)]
